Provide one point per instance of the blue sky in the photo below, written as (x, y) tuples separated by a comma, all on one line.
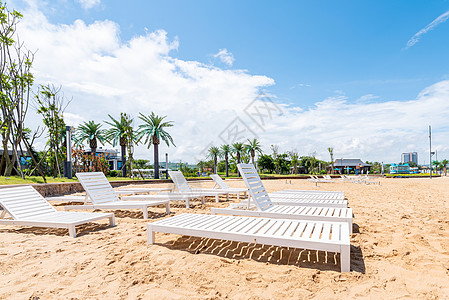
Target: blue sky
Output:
[(310, 48), (312, 51)]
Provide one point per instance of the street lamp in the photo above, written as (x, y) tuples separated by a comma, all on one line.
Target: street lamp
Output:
[(68, 138), (166, 165)]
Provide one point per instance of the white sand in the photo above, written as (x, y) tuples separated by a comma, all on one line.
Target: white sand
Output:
[(400, 249)]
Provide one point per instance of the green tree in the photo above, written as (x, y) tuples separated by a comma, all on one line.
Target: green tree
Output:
[(16, 81), (294, 160), (153, 130), (238, 149), (121, 132), (214, 153), (51, 106), (91, 132), (225, 150), (252, 147), (265, 163), (444, 163), (331, 153)]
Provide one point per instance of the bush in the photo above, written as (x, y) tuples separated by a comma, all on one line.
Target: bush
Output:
[(113, 173)]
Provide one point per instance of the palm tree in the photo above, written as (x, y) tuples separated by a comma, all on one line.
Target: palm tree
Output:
[(119, 134), (444, 162), (252, 147), (214, 152), (331, 153), (153, 130), (90, 131), (294, 160), (225, 150), (238, 149)]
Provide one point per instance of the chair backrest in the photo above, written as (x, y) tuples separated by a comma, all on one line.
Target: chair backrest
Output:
[(24, 202), (180, 181), (255, 186), (220, 182), (97, 187)]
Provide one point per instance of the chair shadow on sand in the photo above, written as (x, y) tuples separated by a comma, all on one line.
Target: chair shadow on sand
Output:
[(320, 260), (81, 230)]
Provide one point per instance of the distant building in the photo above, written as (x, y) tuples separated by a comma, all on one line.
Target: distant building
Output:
[(409, 157), (347, 165), (111, 155)]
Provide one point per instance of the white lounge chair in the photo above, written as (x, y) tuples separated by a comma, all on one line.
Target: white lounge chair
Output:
[(265, 208), (291, 199), (313, 235), (183, 186), (103, 196), (306, 193), (222, 184), (26, 207)]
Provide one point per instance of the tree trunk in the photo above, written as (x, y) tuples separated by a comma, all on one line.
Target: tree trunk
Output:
[(156, 161), (215, 165), (123, 160), (226, 165), (238, 161), (253, 154)]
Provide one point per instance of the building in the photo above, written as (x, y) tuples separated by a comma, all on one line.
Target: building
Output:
[(409, 157), (348, 165), (111, 155)]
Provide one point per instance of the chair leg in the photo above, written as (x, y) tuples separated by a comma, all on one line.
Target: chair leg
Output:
[(188, 203), (72, 231), (203, 200), (227, 197), (112, 221), (217, 198), (151, 236), (238, 196), (167, 207), (345, 258), (145, 212)]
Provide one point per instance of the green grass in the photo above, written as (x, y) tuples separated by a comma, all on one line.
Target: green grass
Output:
[(412, 175), (35, 179)]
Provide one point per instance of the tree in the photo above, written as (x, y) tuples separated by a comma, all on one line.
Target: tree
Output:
[(153, 130), (92, 132), (121, 132), (237, 149), (331, 153), (15, 88), (50, 104), (265, 163), (213, 153), (275, 155), (224, 153), (444, 163), (294, 160), (252, 147)]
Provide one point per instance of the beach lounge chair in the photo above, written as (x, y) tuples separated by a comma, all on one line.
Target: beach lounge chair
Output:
[(222, 184), (183, 186), (26, 207), (252, 180), (306, 193), (313, 235), (103, 196), (265, 208)]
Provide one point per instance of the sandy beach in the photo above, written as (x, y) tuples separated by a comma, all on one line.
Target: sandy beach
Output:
[(399, 249)]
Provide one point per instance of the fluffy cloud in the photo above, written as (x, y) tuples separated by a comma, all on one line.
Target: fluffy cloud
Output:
[(86, 4), (105, 75), (225, 56)]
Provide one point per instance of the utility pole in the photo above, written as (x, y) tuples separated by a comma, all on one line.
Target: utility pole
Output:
[(68, 137), (166, 165), (430, 150)]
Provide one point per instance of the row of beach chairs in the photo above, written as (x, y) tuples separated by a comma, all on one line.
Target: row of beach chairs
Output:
[(312, 220)]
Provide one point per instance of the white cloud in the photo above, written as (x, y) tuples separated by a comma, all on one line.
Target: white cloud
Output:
[(107, 76), (225, 56), (415, 38), (87, 4)]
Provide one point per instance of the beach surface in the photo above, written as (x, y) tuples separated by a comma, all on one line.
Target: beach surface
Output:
[(399, 249)]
